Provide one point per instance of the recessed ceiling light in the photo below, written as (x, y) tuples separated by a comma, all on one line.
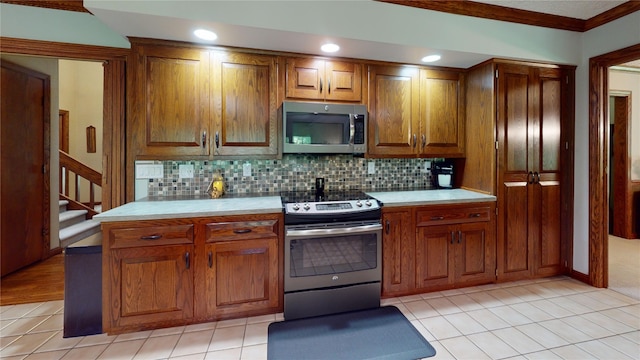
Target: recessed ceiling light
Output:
[(330, 48), (205, 34), (431, 58)]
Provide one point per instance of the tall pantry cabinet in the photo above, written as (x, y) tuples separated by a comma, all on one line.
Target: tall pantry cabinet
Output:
[(526, 111)]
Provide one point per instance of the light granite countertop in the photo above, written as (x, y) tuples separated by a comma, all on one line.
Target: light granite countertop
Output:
[(429, 197), (188, 208), (173, 209)]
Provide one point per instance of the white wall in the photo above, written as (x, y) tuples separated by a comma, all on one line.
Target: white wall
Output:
[(609, 37), (49, 67), (29, 22), (630, 82), (81, 93)]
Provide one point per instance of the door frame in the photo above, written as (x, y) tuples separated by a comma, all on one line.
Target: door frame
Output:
[(114, 60), (599, 159)]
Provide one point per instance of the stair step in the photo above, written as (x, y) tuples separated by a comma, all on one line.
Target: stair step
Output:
[(71, 217), (78, 231), (63, 205)]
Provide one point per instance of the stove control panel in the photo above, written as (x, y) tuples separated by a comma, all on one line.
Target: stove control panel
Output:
[(337, 207)]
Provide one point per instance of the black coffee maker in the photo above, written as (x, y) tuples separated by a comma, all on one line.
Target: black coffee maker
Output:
[(442, 174)]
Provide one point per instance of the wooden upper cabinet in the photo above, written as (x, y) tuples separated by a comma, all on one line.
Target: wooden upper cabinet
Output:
[(244, 104), (394, 93), (316, 79), (168, 103), (441, 113)]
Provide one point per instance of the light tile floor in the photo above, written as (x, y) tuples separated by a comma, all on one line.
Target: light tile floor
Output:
[(554, 318)]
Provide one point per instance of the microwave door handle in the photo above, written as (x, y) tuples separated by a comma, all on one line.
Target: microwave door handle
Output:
[(352, 128)]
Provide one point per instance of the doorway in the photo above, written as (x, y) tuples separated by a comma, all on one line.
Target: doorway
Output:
[(599, 159), (113, 61)]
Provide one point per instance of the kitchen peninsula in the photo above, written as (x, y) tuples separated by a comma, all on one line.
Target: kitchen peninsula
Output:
[(173, 262)]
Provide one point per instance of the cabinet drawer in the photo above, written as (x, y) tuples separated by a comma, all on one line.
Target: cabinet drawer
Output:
[(241, 230), (452, 216), (151, 236)]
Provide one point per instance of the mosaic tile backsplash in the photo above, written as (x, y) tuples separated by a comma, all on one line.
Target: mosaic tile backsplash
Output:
[(293, 173)]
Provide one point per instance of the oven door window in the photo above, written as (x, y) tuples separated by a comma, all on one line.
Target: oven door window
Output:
[(333, 255)]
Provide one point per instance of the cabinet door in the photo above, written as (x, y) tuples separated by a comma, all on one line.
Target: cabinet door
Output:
[(315, 79), (441, 113), (240, 263), (434, 256), (168, 105), (305, 78), (475, 262), (514, 103), (242, 276), (398, 252), (344, 81), (393, 110), (245, 104), (148, 286), (545, 192)]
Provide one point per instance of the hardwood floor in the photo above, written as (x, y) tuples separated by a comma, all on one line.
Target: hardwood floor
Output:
[(40, 282)]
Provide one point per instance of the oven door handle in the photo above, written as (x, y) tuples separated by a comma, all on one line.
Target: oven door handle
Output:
[(291, 233)]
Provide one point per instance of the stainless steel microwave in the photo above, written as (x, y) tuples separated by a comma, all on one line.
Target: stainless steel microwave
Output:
[(321, 128)]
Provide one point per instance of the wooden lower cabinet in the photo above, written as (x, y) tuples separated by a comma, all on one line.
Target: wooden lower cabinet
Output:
[(398, 255), (438, 247), (163, 273), (239, 269)]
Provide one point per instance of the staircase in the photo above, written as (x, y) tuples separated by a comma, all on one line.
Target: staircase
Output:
[(74, 225), (75, 216)]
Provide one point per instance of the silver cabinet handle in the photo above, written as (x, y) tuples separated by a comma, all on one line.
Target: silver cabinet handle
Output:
[(204, 139), (151, 237)]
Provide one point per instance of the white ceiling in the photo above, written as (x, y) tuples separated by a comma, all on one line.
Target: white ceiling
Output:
[(302, 30), (578, 9)]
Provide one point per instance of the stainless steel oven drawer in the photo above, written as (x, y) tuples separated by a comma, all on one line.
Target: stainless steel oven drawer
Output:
[(325, 301)]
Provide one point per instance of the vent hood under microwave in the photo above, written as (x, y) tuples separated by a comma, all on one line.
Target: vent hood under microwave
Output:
[(321, 128)]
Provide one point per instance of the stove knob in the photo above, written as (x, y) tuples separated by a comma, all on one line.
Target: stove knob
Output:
[(368, 203), (358, 203), (296, 207), (307, 207)]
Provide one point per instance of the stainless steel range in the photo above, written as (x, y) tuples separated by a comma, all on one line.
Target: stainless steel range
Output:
[(332, 252)]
